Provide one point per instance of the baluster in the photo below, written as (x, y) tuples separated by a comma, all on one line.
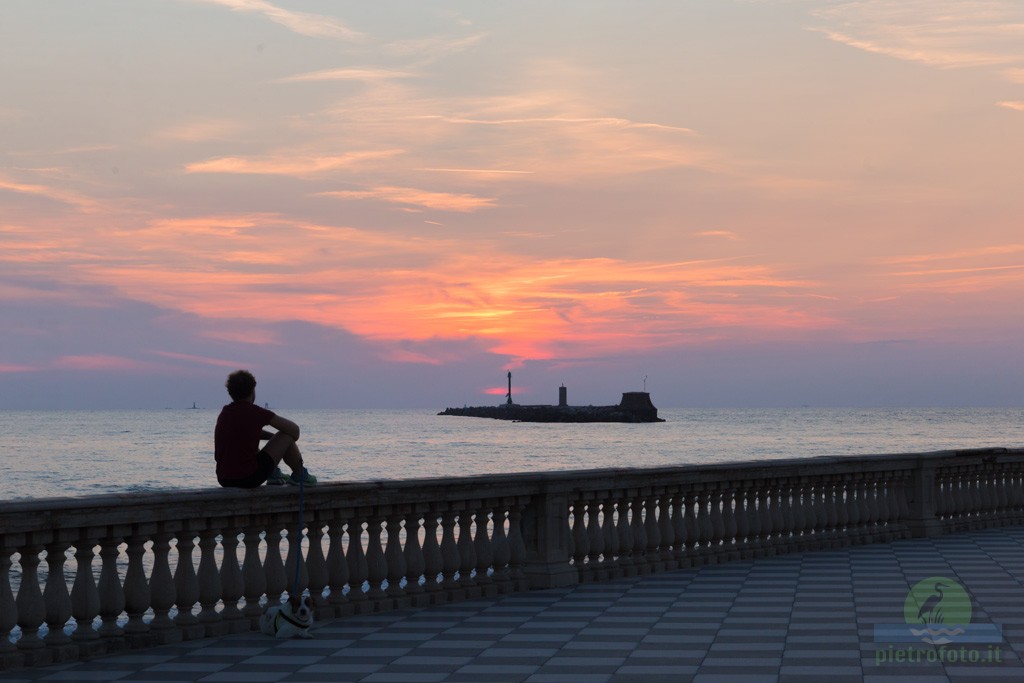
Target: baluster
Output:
[(337, 566), (874, 493), (254, 579), (765, 517), (232, 583), (186, 588), (56, 596), (111, 594), (977, 501), (849, 513), (415, 563), (741, 521), (273, 566), (639, 554), (729, 527), (753, 520), (706, 530), (580, 542), (691, 515), (136, 588), (679, 525), (482, 547), (611, 539), (717, 523), (652, 549), (357, 566), (864, 505), (883, 490), (780, 528), (30, 606), (1002, 482), (467, 554), (162, 592), (626, 559), (666, 530), (502, 552), (85, 597), (394, 557), (795, 509), (295, 587), (8, 605), (449, 550), (376, 565), (209, 583), (316, 563), (595, 540), (516, 546), (433, 562), (811, 507), (832, 524), (941, 496)]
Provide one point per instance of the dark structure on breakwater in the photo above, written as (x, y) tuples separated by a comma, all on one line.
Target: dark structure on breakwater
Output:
[(635, 406)]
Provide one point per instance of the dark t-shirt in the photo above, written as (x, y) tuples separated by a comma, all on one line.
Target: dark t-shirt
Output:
[(236, 439)]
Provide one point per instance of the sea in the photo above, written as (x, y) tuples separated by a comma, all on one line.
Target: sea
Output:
[(80, 453)]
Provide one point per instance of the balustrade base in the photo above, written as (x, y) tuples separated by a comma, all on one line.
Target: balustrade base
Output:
[(215, 629), (40, 657), (11, 660), (193, 632), (170, 636), (136, 641)]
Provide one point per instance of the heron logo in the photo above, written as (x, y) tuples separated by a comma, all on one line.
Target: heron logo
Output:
[(937, 610)]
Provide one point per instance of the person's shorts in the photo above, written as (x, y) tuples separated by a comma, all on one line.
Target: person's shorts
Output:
[(264, 466)]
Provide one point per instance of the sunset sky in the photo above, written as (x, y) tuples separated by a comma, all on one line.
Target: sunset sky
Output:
[(391, 204)]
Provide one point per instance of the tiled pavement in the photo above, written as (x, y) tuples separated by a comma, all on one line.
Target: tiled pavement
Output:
[(800, 617)]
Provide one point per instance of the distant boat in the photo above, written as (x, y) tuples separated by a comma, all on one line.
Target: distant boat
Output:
[(194, 406)]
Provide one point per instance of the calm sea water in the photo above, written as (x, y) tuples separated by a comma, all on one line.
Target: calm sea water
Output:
[(89, 452)]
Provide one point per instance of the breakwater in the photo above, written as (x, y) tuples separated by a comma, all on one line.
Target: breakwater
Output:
[(105, 573)]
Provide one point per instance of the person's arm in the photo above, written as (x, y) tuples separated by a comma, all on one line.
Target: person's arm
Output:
[(285, 426)]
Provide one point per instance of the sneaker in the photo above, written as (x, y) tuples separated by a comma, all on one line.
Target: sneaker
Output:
[(277, 478), (306, 478)]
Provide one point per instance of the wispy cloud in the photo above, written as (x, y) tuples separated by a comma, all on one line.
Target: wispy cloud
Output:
[(202, 130), (98, 362), (81, 202), (201, 360), (287, 165), (348, 74), (941, 33), (724, 234), (1016, 106), (313, 25), (441, 201)]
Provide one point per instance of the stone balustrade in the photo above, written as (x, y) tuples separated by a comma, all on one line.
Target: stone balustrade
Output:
[(100, 574)]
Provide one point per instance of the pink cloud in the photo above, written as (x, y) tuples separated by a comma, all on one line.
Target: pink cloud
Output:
[(98, 362)]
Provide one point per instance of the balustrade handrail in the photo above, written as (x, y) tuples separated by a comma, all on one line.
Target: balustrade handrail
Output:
[(196, 563)]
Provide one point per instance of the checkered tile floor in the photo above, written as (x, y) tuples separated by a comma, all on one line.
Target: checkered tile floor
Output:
[(801, 617)]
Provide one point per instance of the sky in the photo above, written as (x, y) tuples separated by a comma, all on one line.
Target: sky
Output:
[(728, 203)]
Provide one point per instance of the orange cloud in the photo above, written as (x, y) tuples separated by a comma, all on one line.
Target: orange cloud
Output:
[(1017, 106), (82, 202), (441, 201), (286, 165), (266, 268)]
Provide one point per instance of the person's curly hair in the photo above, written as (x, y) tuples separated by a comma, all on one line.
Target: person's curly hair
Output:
[(240, 384)]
